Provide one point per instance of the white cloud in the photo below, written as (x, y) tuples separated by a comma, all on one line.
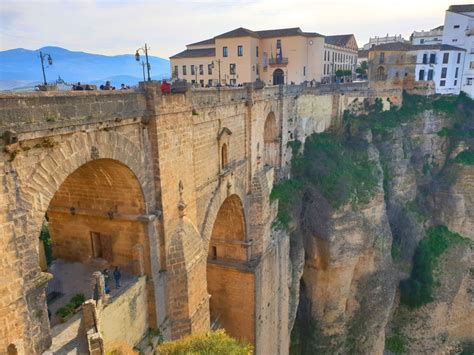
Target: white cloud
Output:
[(117, 27)]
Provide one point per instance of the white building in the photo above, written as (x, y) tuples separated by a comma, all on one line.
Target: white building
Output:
[(340, 53), (375, 41), (459, 31), (442, 64), (433, 36)]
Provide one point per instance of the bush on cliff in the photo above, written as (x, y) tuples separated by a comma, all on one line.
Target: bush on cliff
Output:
[(418, 289), (212, 343), (332, 171), (465, 158)]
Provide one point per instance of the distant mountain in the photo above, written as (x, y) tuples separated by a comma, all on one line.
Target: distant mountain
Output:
[(22, 67)]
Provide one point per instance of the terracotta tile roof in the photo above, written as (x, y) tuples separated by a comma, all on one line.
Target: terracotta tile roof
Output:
[(363, 53), (195, 53), (203, 43), (285, 32), (393, 46), (398, 46), (238, 32), (338, 40)]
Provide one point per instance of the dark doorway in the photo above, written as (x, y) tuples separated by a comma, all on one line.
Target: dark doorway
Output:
[(278, 77), (102, 246)]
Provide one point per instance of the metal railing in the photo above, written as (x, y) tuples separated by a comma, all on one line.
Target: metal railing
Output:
[(278, 61)]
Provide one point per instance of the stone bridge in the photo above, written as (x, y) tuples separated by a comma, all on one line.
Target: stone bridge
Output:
[(172, 187)]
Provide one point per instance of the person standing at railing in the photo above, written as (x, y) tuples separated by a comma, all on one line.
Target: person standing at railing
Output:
[(117, 276)]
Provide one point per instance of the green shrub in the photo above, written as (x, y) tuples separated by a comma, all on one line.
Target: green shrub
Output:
[(418, 289), (211, 343), (395, 344), (46, 239), (466, 157), (63, 312), (288, 194), (339, 169), (78, 300), (331, 168)]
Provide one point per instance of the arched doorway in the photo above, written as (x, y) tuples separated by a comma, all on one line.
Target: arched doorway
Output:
[(271, 141), (380, 75), (229, 283), (93, 223), (278, 77)]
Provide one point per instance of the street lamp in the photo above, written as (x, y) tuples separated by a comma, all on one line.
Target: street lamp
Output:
[(50, 62), (219, 65), (137, 58)]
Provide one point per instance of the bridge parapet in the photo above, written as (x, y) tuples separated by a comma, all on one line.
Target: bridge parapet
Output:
[(26, 112)]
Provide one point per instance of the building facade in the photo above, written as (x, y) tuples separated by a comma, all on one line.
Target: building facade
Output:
[(433, 36), (438, 66), (459, 32), (281, 56), (340, 53), (375, 41), (441, 64)]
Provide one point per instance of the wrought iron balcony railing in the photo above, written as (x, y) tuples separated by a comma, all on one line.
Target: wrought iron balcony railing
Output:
[(278, 61)]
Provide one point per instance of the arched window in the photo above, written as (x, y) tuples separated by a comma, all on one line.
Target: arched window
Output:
[(380, 74), (224, 156)]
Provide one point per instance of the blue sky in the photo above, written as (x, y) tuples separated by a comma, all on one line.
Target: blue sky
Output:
[(120, 26)]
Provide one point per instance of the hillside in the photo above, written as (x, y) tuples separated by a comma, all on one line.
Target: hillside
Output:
[(22, 67)]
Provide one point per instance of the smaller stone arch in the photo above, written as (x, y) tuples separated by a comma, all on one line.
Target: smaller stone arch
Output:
[(271, 141), (223, 143), (224, 156)]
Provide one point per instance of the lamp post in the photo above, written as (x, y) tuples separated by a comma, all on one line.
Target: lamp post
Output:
[(143, 69), (219, 69), (137, 58), (50, 62)]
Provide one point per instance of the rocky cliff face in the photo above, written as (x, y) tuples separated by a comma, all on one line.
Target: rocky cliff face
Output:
[(349, 300)]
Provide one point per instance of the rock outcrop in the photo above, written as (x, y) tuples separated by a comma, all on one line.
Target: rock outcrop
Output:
[(351, 274)]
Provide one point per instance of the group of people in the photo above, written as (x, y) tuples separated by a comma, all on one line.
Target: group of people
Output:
[(117, 276)]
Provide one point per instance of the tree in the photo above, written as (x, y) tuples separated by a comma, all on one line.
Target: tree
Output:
[(362, 70)]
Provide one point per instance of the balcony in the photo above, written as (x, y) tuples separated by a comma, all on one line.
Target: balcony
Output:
[(278, 61)]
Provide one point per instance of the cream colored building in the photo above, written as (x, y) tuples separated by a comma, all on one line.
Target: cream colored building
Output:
[(340, 53), (280, 56)]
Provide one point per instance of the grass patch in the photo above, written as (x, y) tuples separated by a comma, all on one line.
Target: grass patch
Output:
[(418, 289), (395, 344), (212, 343), (465, 158), (460, 107)]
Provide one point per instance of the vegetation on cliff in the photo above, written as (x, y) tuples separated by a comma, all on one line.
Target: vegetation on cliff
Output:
[(418, 289), (333, 170), (211, 343)]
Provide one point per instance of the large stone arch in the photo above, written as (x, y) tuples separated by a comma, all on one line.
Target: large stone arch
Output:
[(37, 189), (230, 281), (227, 187)]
